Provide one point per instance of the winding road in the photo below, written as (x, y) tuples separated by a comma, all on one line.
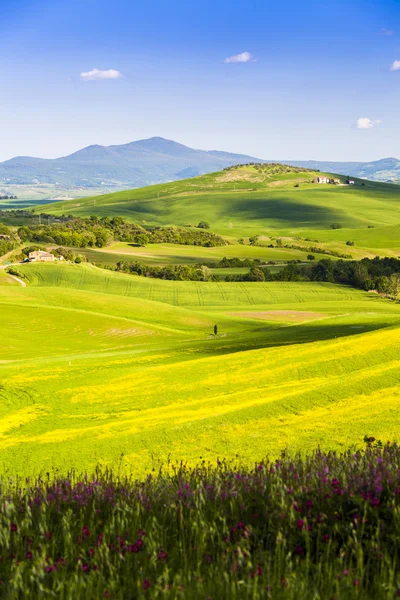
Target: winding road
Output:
[(13, 276)]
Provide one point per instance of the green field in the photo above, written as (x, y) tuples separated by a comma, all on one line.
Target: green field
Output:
[(101, 366), (166, 254), (241, 203), (96, 365)]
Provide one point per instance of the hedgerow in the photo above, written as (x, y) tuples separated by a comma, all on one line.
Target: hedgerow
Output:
[(96, 232)]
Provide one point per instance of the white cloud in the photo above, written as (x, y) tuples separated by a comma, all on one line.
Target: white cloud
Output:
[(243, 57), (395, 66), (100, 74), (364, 123), (385, 31)]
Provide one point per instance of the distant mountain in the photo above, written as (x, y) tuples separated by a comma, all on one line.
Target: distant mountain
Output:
[(155, 160), (127, 166), (386, 169)]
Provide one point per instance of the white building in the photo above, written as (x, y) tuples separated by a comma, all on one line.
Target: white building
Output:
[(41, 256)]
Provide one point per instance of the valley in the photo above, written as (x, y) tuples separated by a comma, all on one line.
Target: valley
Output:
[(101, 366)]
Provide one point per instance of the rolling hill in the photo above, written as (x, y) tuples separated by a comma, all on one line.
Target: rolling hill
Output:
[(269, 200), (104, 367)]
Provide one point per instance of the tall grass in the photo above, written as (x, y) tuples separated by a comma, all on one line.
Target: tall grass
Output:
[(324, 526)]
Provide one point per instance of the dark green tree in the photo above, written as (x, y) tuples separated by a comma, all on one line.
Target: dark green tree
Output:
[(142, 239), (323, 270), (253, 241), (255, 274), (383, 284)]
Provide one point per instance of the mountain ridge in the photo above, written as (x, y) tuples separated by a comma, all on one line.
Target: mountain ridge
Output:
[(135, 164), (158, 160)]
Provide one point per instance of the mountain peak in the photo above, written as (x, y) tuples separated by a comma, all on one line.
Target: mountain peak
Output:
[(159, 145), (136, 164)]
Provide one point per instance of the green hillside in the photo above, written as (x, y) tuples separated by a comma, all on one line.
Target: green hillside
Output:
[(104, 366), (166, 254), (97, 365), (263, 200)]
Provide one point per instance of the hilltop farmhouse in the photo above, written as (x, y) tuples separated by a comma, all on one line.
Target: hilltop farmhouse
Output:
[(323, 179), (41, 256)]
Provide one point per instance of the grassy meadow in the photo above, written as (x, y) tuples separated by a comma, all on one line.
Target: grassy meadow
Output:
[(167, 254), (102, 367)]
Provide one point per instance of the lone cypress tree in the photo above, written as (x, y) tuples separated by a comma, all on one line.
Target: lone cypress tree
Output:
[(215, 329)]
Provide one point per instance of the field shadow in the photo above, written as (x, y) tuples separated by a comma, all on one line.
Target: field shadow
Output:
[(267, 337), (251, 208), (284, 209)]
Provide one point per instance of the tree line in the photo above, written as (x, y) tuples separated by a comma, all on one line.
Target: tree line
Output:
[(95, 232), (234, 262), (171, 272), (380, 274)]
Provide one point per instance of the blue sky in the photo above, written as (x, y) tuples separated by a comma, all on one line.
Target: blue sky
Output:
[(317, 67)]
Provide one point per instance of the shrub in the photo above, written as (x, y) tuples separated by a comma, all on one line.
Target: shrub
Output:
[(253, 241), (142, 239), (15, 272)]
